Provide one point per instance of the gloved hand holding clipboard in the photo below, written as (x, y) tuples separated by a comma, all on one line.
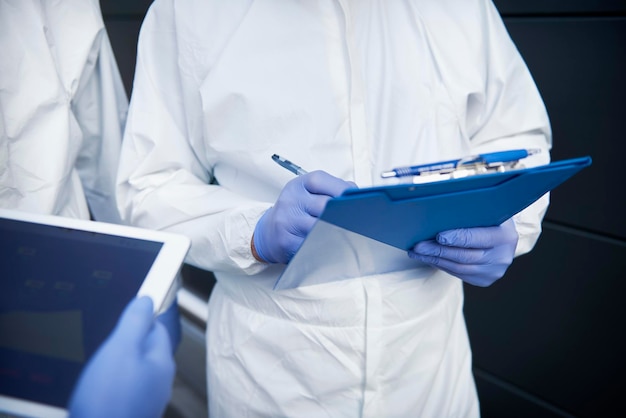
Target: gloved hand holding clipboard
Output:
[(383, 222)]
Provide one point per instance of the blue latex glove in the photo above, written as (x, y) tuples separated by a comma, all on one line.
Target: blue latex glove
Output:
[(171, 320), (478, 256), (131, 374), (283, 227)]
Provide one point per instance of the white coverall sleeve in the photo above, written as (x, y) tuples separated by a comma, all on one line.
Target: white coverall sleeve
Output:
[(163, 183), (100, 107), (509, 113)]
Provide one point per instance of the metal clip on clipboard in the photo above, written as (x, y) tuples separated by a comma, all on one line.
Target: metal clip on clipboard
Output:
[(463, 167)]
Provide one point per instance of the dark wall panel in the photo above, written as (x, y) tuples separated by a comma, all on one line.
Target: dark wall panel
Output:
[(123, 34), (505, 6), (124, 7), (554, 326), (579, 66), (586, 7)]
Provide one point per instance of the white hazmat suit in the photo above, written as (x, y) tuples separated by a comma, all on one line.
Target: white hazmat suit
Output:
[(352, 87), (62, 109)]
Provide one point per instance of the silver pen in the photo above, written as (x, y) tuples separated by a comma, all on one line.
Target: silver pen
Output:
[(295, 169)]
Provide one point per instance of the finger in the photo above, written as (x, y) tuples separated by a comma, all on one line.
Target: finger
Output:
[(297, 222), (470, 237), (136, 320), (291, 242), (469, 273), (157, 345), (455, 254), (315, 204), (448, 266), (293, 236), (487, 237), (320, 182), (170, 319), (427, 248)]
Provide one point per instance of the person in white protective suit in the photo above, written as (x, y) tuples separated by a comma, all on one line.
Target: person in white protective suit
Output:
[(62, 112), (347, 89)]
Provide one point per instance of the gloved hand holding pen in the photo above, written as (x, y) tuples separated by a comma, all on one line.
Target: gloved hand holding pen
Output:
[(283, 227), (479, 256)]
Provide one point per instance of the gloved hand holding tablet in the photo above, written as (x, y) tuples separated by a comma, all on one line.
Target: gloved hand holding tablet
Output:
[(65, 285)]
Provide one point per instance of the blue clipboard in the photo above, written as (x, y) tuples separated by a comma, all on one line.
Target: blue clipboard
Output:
[(383, 222), (402, 215)]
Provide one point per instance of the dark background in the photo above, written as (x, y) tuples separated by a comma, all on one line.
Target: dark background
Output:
[(548, 339)]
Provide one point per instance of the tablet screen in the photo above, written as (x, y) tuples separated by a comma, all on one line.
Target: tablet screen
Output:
[(61, 293)]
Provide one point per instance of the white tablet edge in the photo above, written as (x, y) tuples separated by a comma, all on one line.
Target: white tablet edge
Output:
[(165, 266), (30, 408), (160, 281)]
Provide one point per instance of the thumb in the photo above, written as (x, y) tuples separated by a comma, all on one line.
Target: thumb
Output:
[(136, 320)]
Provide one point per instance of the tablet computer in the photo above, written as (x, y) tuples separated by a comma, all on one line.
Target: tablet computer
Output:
[(64, 284)]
